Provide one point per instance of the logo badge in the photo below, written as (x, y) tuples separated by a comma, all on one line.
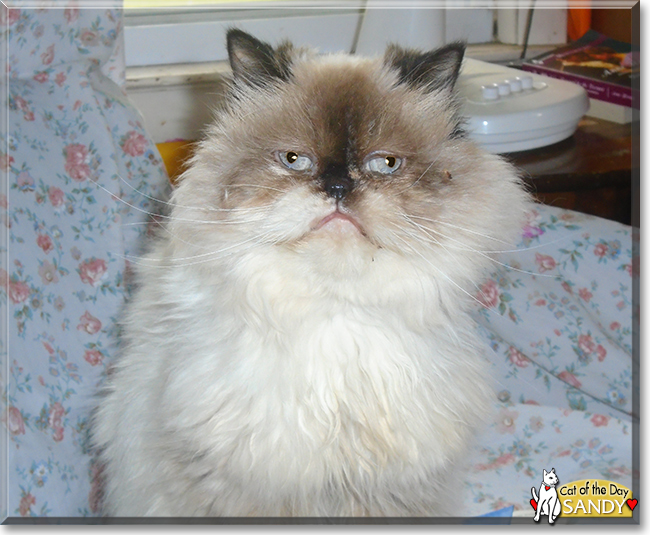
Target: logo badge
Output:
[(594, 498), (547, 502)]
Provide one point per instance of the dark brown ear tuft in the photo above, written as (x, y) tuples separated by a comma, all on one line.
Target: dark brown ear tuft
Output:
[(256, 62), (427, 71)]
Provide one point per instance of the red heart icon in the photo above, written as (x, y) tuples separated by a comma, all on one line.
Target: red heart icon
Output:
[(632, 504), (534, 503)]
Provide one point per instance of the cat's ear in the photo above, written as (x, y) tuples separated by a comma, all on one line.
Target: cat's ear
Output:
[(437, 69), (545, 472), (256, 62)]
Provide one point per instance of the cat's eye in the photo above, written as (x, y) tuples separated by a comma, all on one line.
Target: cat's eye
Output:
[(295, 161), (384, 164)]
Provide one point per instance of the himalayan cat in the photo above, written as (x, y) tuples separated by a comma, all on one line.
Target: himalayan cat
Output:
[(298, 343)]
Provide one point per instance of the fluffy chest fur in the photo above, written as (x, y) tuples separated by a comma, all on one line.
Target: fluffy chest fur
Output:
[(299, 342), (303, 392)]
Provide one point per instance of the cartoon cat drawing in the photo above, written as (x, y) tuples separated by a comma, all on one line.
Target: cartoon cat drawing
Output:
[(548, 502)]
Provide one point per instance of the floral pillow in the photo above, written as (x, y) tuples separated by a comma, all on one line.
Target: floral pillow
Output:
[(79, 175), (560, 317)]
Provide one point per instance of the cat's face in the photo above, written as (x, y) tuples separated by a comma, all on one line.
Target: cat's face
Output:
[(550, 478), (340, 153)]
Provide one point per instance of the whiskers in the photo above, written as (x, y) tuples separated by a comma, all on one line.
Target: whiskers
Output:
[(251, 217), (421, 176), (465, 247), (413, 232), (457, 227), (460, 245), (258, 186), (239, 247), (436, 268), (174, 204), (260, 237), (254, 215)]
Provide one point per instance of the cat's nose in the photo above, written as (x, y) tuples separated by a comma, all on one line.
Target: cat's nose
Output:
[(337, 187)]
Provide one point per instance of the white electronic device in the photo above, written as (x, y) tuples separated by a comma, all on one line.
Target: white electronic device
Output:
[(508, 110)]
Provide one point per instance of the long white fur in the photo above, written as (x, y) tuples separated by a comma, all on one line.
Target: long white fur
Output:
[(331, 378)]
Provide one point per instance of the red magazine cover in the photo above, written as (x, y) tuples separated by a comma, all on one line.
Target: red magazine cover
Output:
[(608, 69)]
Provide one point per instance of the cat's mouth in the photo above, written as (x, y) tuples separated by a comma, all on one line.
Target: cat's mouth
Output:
[(339, 222)]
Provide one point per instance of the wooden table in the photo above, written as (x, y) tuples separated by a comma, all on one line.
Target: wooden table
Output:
[(595, 171)]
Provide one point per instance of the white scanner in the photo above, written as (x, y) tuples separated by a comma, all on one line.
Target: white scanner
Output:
[(509, 110)]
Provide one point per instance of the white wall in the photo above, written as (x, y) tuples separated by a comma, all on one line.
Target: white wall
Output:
[(158, 38)]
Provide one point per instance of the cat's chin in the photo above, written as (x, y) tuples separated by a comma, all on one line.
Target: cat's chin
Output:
[(336, 245)]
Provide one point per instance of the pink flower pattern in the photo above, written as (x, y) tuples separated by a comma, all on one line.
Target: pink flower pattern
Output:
[(76, 165), (506, 421), (92, 271), (56, 196), (544, 262), (15, 421), (599, 420), (600, 250), (569, 378), (134, 143), (25, 504), (44, 242), (93, 357), (89, 323), (585, 294), (558, 396), (48, 273), (5, 162), (586, 343), (10, 16), (517, 358), (71, 14), (48, 56), (55, 421), (63, 286), (62, 274), (488, 294), (19, 291)]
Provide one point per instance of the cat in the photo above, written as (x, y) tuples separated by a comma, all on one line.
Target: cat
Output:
[(298, 343), (548, 502)]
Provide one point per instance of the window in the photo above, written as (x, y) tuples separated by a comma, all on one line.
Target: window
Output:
[(175, 49), (192, 31)]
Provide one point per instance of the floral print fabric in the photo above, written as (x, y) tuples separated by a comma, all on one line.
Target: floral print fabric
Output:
[(80, 174), (557, 315)]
